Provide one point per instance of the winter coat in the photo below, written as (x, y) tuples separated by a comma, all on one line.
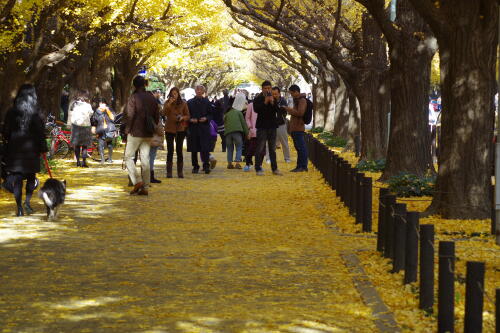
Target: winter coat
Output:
[(235, 122), (141, 104), (23, 146), (297, 114), (251, 120), (104, 121), (80, 113), (268, 113), (171, 111), (221, 106), (199, 138)]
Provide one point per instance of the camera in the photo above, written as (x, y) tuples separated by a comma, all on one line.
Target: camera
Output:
[(269, 94)]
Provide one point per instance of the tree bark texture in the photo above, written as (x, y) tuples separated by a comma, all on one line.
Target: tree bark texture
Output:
[(411, 51), (467, 33), (125, 69)]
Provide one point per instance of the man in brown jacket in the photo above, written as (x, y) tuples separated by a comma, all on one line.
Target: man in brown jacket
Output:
[(297, 127), (141, 105)]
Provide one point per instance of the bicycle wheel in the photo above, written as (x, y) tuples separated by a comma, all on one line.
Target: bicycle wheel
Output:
[(61, 151)]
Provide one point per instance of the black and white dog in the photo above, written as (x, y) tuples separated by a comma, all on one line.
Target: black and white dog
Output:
[(53, 193)]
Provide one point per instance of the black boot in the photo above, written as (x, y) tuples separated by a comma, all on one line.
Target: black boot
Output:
[(153, 179), (20, 211), (84, 163), (28, 208)]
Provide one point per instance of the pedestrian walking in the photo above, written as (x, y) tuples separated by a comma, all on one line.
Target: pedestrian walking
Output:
[(105, 129), (142, 115), (80, 113), (177, 114), (281, 132), (267, 123), (24, 138), (222, 105), (251, 142), (199, 132), (297, 126), (236, 130)]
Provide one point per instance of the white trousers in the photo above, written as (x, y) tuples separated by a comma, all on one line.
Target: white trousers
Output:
[(282, 138), (143, 145)]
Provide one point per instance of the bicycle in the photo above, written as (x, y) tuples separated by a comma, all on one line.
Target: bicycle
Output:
[(60, 146)]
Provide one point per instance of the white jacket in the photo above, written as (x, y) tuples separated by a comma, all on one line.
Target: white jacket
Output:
[(80, 114)]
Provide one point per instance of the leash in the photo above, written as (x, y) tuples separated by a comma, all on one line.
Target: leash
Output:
[(47, 164)]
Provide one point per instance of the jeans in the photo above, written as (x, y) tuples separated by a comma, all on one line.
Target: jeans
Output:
[(233, 140), (143, 145), (300, 145), (282, 138), (179, 143), (105, 143), (152, 157), (266, 135)]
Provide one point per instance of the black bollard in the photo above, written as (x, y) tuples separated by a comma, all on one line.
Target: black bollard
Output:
[(367, 204), (474, 290), (399, 251), (330, 168), (411, 261), (343, 180), (389, 225), (426, 296), (497, 309), (381, 211), (351, 194), (446, 287), (334, 171), (359, 197)]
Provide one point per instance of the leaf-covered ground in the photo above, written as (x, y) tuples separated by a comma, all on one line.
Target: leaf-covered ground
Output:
[(227, 252)]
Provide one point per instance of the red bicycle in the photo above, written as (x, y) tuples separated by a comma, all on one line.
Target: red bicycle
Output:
[(60, 146)]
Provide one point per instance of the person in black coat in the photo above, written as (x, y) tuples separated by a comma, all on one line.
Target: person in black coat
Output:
[(24, 135), (199, 138)]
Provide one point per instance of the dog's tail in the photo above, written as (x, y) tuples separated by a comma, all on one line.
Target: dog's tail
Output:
[(46, 199)]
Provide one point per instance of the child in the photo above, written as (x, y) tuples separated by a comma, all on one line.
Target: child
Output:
[(235, 129)]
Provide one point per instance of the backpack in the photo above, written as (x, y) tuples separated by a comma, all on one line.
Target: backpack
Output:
[(308, 115)]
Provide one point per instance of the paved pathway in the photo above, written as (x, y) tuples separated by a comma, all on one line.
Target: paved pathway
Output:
[(227, 252)]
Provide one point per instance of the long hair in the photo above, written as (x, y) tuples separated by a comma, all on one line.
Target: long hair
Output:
[(178, 101), (25, 106)]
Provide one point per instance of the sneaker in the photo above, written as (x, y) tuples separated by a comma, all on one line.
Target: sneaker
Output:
[(207, 171), (237, 166), (277, 173), (213, 163), (195, 170), (230, 165), (137, 188), (268, 161), (260, 173), (288, 161), (247, 168)]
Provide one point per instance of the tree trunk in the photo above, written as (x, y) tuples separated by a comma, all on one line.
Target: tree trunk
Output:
[(468, 58), (11, 78), (409, 141), (354, 120), (341, 121), (324, 101), (49, 89), (101, 77), (125, 69), (374, 107)]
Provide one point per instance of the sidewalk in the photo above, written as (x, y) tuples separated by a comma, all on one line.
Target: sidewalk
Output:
[(225, 252)]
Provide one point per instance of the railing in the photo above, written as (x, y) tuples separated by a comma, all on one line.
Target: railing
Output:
[(401, 238)]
